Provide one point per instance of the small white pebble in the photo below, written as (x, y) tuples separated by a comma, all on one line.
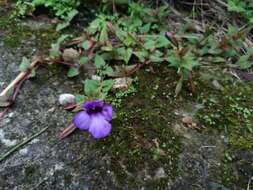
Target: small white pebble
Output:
[(1, 134), (34, 141), (95, 77), (65, 99), (59, 166), (23, 151), (6, 142), (11, 115)]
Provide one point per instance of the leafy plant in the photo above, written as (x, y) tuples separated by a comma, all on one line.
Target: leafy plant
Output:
[(243, 7), (120, 45), (184, 61), (244, 61), (97, 89), (63, 9)]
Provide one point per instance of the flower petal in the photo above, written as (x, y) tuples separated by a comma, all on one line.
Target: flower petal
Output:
[(99, 126), (82, 120), (107, 112), (93, 104)]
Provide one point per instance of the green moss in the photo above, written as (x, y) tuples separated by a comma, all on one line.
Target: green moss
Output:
[(228, 177), (30, 173), (228, 111), (142, 139), (15, 34), (241, 142), (15, 37)]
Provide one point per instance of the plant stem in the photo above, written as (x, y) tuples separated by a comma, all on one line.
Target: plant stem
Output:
[(20, 77), (15, 148), (70, 129)]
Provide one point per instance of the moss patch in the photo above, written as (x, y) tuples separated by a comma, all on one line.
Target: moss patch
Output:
[(229, 111), (142, 140), (15, 34)]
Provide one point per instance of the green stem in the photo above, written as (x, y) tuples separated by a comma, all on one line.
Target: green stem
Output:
[(15, 148)]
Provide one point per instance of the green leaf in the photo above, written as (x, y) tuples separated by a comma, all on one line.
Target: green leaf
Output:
[(62, 38), (86, 45), (243, 62), (99, 61), (94, 26), (108, 71), (142, 55), (54, 51), (83, 60), (145, 29), (61, 26), (128, 55), (213, 51), (189, 61), (162, 41), (107, 85), (129, 40), (79, 98), (156, 57), (121, 35), (23, 67), (174, 60), (228, 157), (73, 72), (230, 53), (71, 14), (250, 49), (125, 54), (108, 47), (91, 87), (103, 34), (218, 60), (251, 20), (33, 73), (150, 44)]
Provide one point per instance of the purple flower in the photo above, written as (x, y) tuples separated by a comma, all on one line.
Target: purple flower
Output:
[(96, 118)]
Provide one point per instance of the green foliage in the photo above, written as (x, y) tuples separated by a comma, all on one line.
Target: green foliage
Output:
[(121, 95), (55, 48), (231, 113), (63, 9), (184, 62), (118, 45), (228, 47), (244, 60), (25, 66), (243, 7), (23, 7), (140, 37), (25, 63), (73, 72), (97, 89)]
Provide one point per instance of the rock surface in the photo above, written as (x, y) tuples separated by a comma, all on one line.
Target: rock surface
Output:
[(73, 164)]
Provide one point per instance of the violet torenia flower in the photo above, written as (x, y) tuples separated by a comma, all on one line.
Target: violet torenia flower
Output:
[(96, 118)]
